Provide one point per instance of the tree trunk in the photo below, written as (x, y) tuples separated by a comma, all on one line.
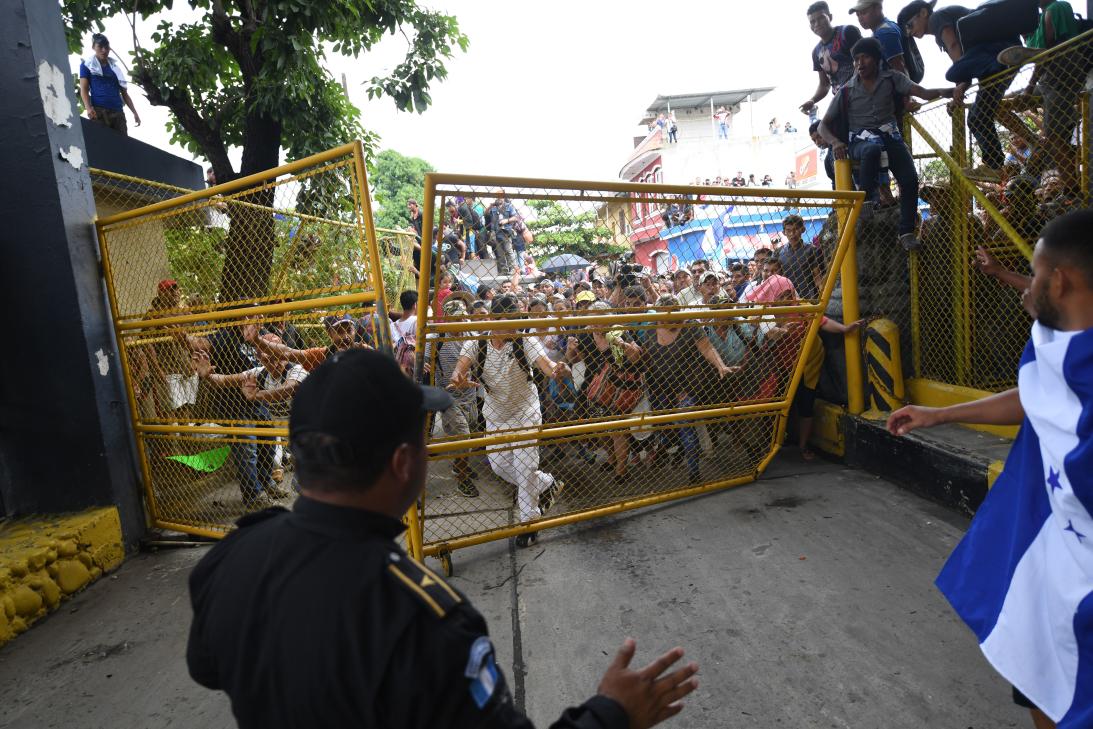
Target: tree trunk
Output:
[(248, 250)]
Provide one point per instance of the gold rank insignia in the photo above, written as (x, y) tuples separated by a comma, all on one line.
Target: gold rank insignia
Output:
[(425, 585)]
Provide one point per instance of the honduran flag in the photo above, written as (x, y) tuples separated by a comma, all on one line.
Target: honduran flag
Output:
[(1022, 577)]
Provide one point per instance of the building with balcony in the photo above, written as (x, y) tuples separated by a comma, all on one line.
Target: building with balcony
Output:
[(757, 144)]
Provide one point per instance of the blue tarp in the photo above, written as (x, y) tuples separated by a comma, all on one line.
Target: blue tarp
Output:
[(716, 228)]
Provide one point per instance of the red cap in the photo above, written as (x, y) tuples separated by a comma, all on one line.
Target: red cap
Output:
[(167, 283)]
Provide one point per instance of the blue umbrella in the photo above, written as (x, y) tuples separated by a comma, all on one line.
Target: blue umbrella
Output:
[(564, 262)]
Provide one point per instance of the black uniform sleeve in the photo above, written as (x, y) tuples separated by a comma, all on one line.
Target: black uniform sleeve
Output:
[(444, 673), (200, 662)]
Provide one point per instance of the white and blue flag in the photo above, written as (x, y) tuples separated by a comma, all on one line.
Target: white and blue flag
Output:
[(1022, 577)]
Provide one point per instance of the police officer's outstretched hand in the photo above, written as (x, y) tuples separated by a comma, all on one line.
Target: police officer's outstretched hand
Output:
[(650, 695)]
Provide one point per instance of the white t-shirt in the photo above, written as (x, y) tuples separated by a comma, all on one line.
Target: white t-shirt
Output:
[(401, 329), (510, 395), (293, 373)]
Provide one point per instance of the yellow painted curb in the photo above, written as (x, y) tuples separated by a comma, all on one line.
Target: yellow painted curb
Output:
[(827, 428), (994, 470), (43, 560)]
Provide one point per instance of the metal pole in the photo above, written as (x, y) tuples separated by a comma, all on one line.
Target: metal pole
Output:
[(855, 381)]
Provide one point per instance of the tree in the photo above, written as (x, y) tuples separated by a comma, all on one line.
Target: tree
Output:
[(935, 171), (248, 74), (395, 180), (560, 229)]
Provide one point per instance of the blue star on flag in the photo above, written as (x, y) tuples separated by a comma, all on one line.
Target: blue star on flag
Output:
[(1053, 479), (1070, 528)]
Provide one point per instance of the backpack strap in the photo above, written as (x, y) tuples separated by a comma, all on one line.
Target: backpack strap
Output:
[(517, 352)]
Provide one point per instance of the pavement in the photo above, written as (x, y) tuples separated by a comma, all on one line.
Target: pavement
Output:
[(807, 598)]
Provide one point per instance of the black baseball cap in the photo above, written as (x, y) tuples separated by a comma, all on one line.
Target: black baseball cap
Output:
[(359, 398)]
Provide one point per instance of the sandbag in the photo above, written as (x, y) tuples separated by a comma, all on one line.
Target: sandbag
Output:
[(998, 21)]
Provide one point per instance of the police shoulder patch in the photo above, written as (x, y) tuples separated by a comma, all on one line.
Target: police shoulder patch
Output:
[(424, 584)]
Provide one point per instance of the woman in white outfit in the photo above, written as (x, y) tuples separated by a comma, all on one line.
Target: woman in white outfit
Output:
[(512, 403)]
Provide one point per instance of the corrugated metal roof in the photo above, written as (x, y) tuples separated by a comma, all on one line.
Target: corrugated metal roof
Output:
[(702, 100)]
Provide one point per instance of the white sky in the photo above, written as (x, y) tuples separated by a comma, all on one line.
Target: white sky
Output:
[(555, 89)]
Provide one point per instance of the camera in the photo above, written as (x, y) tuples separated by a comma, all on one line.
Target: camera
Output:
[(628, 274)]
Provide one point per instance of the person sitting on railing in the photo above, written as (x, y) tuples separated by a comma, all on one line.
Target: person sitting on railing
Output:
[(977, 61), (1058, 80), (865, 115)]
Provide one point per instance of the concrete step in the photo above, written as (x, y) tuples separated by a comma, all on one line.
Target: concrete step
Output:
[(949, 464)]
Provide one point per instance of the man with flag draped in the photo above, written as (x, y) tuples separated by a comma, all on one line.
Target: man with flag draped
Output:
[(1022, 577)]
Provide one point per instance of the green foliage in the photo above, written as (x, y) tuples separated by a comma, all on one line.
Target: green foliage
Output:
[(935, 171), (196, 256), (395, 180), (561, 229), (248, 73)]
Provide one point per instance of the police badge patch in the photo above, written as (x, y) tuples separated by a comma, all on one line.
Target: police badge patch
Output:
[(482, 670)]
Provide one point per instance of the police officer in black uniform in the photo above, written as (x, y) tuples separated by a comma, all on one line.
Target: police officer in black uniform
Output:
[(315, 617)]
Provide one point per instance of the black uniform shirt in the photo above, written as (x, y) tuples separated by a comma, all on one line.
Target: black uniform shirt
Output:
[(316, 618)]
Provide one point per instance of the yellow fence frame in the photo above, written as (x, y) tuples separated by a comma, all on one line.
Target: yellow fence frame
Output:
[(591, 191), (125, 326)]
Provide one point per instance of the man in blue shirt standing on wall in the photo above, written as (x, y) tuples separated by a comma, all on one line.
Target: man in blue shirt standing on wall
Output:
[(870, 15), (103, 87)]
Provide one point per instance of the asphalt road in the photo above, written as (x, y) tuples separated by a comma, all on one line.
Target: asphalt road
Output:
[(806, 598)]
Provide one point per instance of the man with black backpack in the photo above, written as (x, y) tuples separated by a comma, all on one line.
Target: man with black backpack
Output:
[(502, 365), (973, 45), (472, 229), (862, 123)]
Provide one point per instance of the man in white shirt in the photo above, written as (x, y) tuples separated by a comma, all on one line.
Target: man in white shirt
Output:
[(502, 364)]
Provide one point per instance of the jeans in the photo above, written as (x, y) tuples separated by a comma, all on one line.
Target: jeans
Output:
[(253, 460), (722, 130), (687, 437), (868, 152), (981, 62), (672, 137), (506, 256)]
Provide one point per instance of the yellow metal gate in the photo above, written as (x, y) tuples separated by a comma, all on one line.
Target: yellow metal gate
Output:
[(287, 255), (703, 379)]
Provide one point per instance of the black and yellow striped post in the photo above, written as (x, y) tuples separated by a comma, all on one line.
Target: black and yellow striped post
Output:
[(884, 366)]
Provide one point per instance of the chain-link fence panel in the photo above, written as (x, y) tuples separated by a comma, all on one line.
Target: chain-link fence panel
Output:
[(223, 301), (658, 369), (994, 168)]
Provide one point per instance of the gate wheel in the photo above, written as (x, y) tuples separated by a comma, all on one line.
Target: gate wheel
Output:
[(446, 563)]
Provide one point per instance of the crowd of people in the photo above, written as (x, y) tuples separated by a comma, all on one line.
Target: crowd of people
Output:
[(475, 228), (1028, 171), (738, 180)]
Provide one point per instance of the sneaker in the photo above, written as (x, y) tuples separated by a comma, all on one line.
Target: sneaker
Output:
[(866, 214), (548, 497), (982, 173), (910, 242), (523, 541), (1017, 55), (467, 488)]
